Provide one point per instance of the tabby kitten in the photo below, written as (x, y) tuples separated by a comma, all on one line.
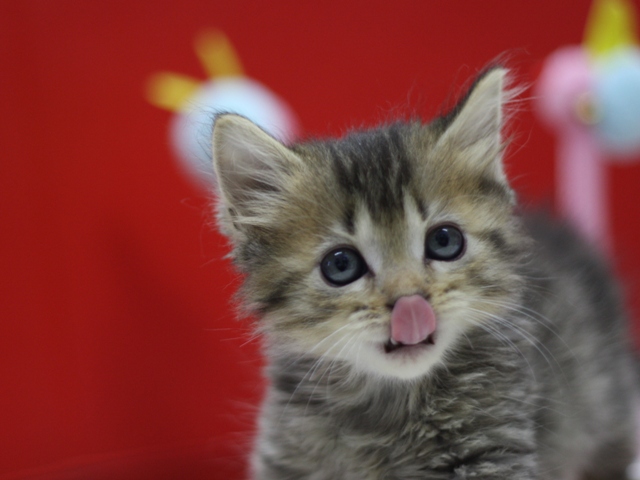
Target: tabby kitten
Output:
[(415, 327)]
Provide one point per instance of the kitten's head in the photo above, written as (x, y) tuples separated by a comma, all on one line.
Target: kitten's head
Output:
[(382, 249)]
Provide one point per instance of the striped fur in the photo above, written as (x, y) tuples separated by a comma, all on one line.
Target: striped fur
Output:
[(529, 376)]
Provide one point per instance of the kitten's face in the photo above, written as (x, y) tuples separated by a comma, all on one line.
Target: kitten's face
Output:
[(383, 249)]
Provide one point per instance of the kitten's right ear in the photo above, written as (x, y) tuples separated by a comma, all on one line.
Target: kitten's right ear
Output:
[(251, 168), (474, 127)]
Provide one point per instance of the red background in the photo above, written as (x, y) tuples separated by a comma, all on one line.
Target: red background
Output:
[(119, 355)]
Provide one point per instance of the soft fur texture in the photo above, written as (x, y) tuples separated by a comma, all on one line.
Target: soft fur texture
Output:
[(530, 374)]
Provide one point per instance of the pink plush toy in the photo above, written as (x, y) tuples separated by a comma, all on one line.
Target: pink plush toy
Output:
[(590, 94)]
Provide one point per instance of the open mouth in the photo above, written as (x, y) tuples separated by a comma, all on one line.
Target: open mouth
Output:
[(392, 345)]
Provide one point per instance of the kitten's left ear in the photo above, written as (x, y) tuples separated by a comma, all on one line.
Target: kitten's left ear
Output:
[(475, 130)]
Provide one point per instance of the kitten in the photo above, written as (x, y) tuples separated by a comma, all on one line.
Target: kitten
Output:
[(415, 327)]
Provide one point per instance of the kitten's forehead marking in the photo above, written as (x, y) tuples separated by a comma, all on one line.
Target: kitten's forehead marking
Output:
[(386, 245), (368, 240), (416, 222), (373, 168)]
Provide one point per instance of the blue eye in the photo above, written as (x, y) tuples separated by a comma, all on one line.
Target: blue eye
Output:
[(444, 243), (343, 266)]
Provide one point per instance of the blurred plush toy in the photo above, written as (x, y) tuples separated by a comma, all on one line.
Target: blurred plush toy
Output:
[(590, 94), (228, 90)]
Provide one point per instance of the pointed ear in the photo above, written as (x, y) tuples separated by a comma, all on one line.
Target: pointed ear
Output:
[(251, 168), (475, 129)]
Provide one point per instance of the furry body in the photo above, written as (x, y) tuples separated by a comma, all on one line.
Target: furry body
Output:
[(528, 375)]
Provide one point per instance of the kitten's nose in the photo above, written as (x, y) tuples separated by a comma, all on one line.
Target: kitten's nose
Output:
[(403, 281), (412, 320)]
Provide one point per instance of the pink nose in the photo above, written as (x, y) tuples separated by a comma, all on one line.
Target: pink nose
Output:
[(412, 320)]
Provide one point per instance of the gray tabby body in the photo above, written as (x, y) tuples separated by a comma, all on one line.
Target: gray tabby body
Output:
[(524, 371)]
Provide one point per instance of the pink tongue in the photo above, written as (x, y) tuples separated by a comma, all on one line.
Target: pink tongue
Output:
[(412, 320)]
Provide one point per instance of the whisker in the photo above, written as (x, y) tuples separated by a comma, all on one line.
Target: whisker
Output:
[(310, 372), (536, 317), (329, 369), (317, 345), (506, 340), (542, 349)]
